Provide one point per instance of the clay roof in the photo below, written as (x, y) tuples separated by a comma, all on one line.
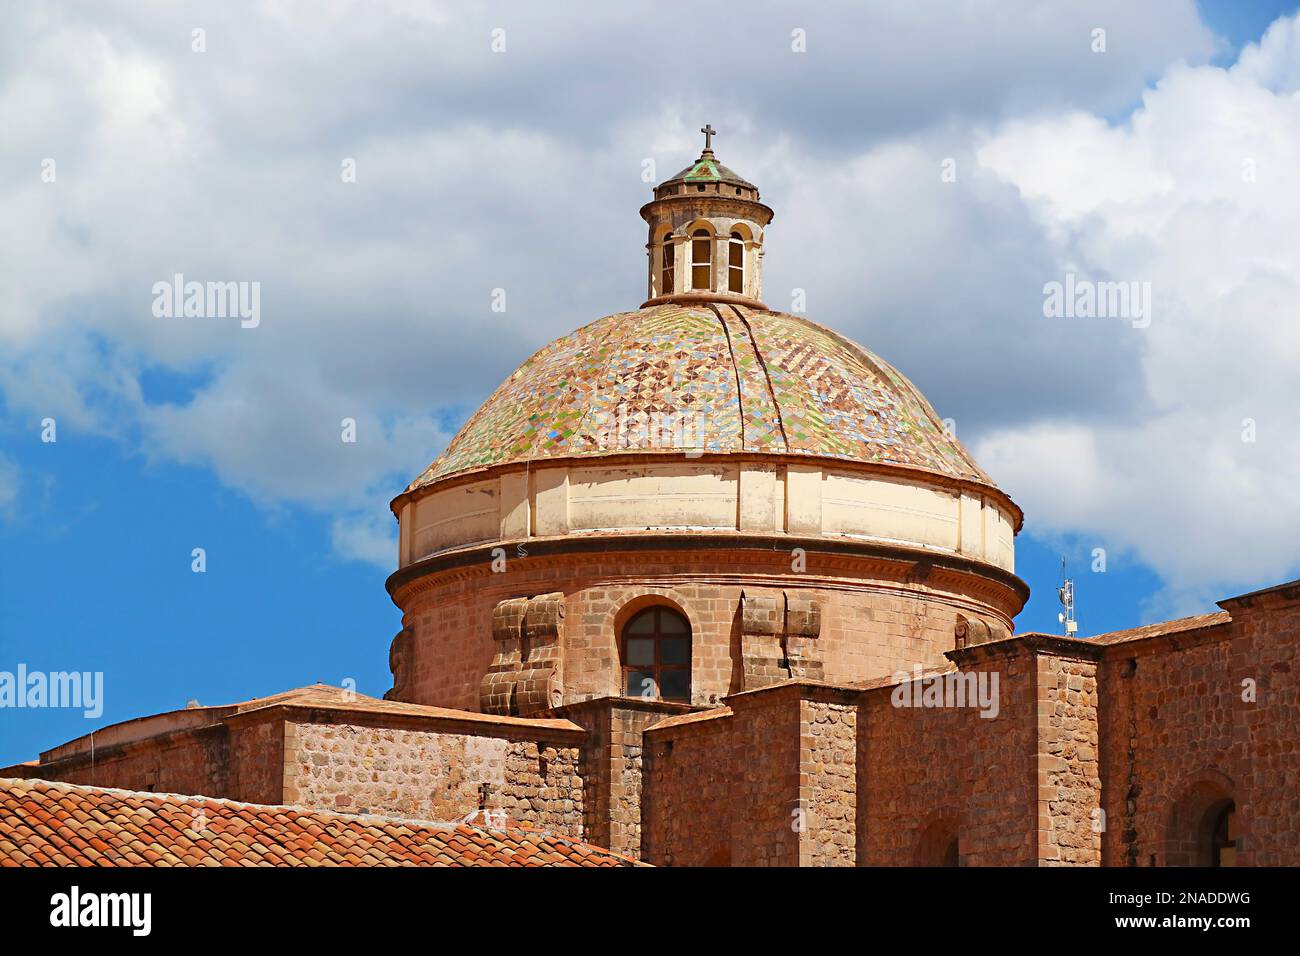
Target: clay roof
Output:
[(740, 380), (58, 824), (1181, 625)]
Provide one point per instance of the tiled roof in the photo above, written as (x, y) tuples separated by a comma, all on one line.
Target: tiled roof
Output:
[(1180, 626), (744, 380), (706, 169), (58, 824)]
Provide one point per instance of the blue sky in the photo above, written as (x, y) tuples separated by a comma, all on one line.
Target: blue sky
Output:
[(1241, 21), (224, 438)]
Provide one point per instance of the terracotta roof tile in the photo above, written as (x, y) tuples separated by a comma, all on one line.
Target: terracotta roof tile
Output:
[(91, 826), (1179, 626)]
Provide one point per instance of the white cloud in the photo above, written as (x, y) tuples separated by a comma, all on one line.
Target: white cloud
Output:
[(369, 536), (521, 171), (1163, 199)]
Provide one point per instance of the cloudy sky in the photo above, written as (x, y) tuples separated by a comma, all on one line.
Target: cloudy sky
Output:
[(933, 166)]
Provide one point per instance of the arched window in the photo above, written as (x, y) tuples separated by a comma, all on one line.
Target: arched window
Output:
[(656, 649), (667, 273), (736, 264), (701, 260)]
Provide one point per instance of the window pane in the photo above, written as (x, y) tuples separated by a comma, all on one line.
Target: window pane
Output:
[(643, 623), (699, 277), (641, 684), (676, 685), (736, 282), (640, 650), (673, 650), (736, 254), (700, 250), (671, 622)]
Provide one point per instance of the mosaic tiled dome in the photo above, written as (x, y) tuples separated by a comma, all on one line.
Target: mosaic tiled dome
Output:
[(753, 381)]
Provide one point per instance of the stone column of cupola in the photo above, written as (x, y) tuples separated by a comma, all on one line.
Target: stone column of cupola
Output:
[(705, 196)]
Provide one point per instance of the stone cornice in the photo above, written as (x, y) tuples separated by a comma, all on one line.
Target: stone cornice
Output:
[(1072, 648), (742, 207), (705, 298), (814, 690), (612, 702), (1279, 595), (913, 569), (477, 725)]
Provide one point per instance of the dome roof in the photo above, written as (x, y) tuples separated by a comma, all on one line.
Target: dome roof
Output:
[(706, 173), (749, 382), (707, 169)]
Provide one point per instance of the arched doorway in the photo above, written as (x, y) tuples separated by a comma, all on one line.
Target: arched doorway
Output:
[(939, 844), (1203, 825), (950, 857), (1223, 835), (655, 647)]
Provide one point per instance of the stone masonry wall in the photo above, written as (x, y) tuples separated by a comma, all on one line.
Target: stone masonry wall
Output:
[(188, 762), (763, 766), (828, 783), (769, 782), (257, 761), (612, 769), (688, 789), (872, 623), (431, 775), (1070, 820), (1266, 732), (975, 776), (1166, 724)]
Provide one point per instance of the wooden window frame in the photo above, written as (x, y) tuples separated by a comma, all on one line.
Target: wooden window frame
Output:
[(735, 241), (657, 635), (702, 235), (667, 265)]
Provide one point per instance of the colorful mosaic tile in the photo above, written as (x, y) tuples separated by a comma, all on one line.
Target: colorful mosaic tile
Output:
[(730, 380)]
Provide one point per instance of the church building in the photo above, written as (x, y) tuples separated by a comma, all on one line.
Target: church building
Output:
[(704, 583)]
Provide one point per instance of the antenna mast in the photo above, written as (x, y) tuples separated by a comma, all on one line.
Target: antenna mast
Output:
[(1065, 593)]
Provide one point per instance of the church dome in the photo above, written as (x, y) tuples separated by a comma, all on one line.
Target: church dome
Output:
[(764, 497), (707, 175), (711, 379), (704, 172)]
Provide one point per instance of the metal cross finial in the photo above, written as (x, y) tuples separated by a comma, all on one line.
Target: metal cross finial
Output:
[(709, 132)]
